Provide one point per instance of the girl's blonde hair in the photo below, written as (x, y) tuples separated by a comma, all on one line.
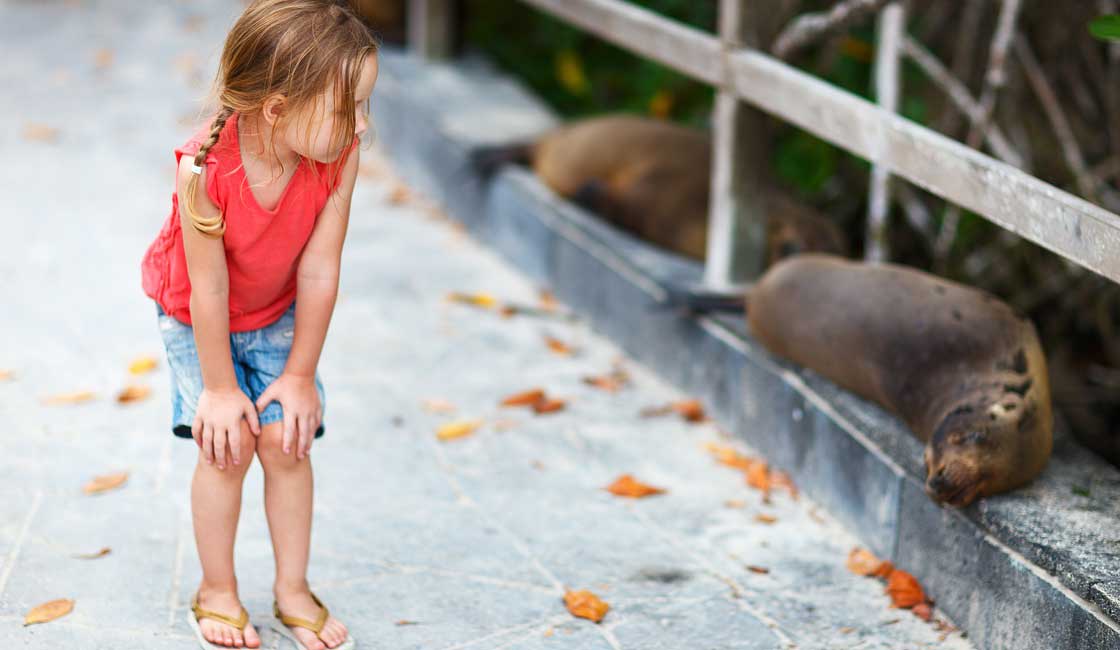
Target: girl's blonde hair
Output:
[(295, 48)]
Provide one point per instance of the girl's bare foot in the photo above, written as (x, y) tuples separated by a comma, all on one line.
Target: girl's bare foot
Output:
[(297, 602), (217, 632)]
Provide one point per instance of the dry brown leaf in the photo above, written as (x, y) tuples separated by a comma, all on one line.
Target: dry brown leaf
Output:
[(103, 58), (904, 590), (457, 429), (407, 622), (7, 375), (558, 346), (400, 194), (507, 311), (611, 382), (923, 611), (549, 405), (75, 397), (36, 132), (548, 300), (763, 518), (133, 394), (863, 562), (505, 425), (49, 611), (105, 482), (779, 479), (93, 556), (691, 410), (483, 300), (525, 398), (141, 365), (656, 411), (585, 604), (729, 456), (758, 476), (757, 569), (735, 503), (627, 486), (438, 406), (549, 631), (847, 630)]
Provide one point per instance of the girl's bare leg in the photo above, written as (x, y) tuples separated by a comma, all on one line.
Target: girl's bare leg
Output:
[(215, 509), (288, 488)]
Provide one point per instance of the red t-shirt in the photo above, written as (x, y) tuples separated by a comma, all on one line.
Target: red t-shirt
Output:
[(263, 247)]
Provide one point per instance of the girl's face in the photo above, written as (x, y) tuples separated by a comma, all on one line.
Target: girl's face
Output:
[(310, 133)]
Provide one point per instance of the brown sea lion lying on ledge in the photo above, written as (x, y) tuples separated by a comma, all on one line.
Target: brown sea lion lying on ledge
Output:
[(652, 178), (963, 370)]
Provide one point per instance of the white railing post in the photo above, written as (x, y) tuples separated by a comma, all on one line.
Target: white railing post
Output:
[(891, 29), (736, 247), (431, 28)]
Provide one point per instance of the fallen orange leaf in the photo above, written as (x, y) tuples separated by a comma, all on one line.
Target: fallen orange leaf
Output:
[(133, 394), (558, 346), (923, 611), (549, 405), (765, 519), (782, 480), (103, 58), (39, 132), (400, 194), (407, 622), (105, 483), (863, 563), (758, 476), (477, 299), (611, 382), (757, 569), (438, 406), (729, 456), (735, 503), (7, 375), (70, 398), (457, 429), (691, 410), (585, 604), (904, 590), (548, 300), (93, 556), (141, 365), (627, 486), (49, 611), (655, 411), (525, 398)]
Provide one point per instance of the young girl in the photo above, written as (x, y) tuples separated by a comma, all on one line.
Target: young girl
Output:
[(244, 274)]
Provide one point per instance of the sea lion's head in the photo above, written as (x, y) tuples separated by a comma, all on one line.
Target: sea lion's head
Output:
[(977, 450)]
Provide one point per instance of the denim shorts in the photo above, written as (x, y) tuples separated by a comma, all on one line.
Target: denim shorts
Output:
[(258, 359)]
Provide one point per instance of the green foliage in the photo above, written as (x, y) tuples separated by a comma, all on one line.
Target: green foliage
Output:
[(581, 75), (1106, 28), (804, 162)]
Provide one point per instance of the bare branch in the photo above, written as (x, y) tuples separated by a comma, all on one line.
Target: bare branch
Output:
[(962, 56), (961, 99), (993, 82), (809, 28), (1058, 120)]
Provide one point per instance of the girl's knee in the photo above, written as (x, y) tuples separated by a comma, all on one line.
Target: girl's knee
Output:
[(270, 448)]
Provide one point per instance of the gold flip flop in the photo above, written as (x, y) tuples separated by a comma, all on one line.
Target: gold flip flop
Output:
[(315, 626), (199, 613)]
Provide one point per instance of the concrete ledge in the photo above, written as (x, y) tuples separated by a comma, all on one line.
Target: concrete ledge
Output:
[(1038, 568)]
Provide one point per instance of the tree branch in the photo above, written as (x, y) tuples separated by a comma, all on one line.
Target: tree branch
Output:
[(809, 28)]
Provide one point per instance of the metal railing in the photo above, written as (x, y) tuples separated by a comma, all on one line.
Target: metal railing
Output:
[(1027, 206)]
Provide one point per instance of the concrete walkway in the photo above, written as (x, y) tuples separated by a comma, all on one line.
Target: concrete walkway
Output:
[(418, 544)]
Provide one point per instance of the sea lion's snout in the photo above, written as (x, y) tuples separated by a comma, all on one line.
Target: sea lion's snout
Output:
[(953, 475)]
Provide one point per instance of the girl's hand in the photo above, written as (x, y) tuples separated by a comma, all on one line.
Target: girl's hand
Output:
[(302, 410), (217, 422)]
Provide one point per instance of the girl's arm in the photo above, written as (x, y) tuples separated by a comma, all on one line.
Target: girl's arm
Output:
[(316, 290), (222, 404)]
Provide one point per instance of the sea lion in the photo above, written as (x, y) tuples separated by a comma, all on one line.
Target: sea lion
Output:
[(652, 178), (959, 366)]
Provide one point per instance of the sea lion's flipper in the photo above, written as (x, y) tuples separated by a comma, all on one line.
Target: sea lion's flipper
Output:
[(699, 300), (488, 159)]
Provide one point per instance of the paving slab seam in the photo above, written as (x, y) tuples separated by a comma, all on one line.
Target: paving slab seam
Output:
[(518, 544), (545, 623), (10, 563)]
